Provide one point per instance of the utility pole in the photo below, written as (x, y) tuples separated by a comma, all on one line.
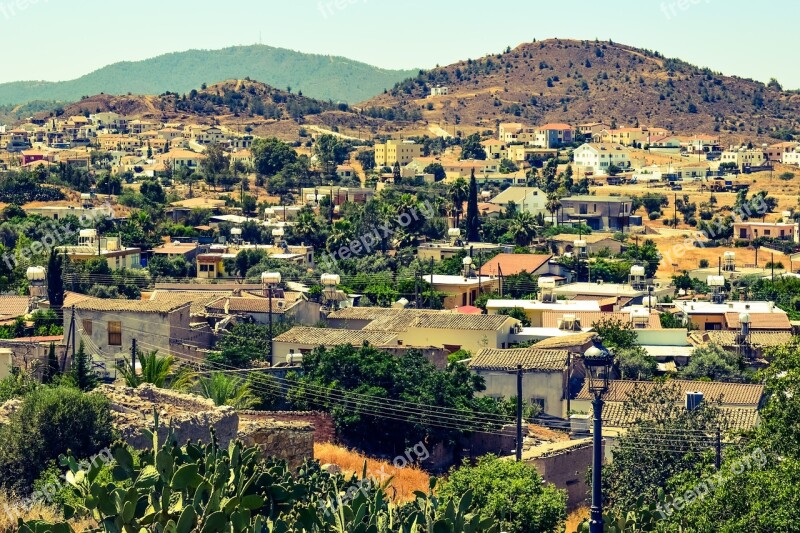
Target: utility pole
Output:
[(72, 327), (718, 457), (133, 357), (675, 211), (519, 413), (270, 322), (70, 335), (500, 279), (431, 302)]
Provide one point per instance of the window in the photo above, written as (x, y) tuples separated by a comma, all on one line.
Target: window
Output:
[(87, 326), (539, 402), (115, 333)]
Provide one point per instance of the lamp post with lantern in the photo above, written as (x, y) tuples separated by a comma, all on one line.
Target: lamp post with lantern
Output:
[(597, 362)]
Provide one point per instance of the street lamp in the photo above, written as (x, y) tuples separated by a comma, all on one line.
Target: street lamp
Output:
[(597, 362)]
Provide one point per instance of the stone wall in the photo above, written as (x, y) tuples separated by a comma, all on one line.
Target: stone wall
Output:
[(565, 465), (191, 416), (290, 441), (324, 429)]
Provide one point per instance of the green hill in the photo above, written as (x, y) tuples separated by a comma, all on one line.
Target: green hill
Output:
[(317, 76)]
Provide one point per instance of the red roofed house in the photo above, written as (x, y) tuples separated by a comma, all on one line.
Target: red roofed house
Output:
[(511, 264)]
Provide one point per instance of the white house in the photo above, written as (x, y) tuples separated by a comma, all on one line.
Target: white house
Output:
[(528, 199), (743, 157), (596, 158)]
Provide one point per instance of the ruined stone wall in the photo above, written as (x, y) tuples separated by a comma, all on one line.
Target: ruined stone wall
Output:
[(324, 429), (290, 441), (191, 417), (567, 469)]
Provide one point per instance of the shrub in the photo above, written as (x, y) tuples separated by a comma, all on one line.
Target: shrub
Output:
[(654, 215), (512, 493), (51, 421)]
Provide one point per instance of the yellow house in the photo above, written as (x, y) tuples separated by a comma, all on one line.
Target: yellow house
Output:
[(386, 155), (211, 266)]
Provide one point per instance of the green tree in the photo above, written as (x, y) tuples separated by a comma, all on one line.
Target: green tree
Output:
[(55, 282), (518, 313), (658, 416), (271, 155), (471, 148), (52, 368), (714, 363), (616, 334), (512, 493), (473, 215), (367, 159), (82, 372), (459, 192), (437, 170), (522, 228), (51, 421), (331, 148), (634, 363)]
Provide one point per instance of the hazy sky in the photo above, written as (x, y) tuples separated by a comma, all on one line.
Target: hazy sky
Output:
[(63, 39)]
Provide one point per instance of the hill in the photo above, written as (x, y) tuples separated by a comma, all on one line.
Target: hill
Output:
[(579, 81), (317, 76), (246, 104)]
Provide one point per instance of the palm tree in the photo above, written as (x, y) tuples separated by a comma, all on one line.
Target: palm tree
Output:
[(162, 372), (553, 205), (341, 235), (459, 192), (224, 389), (523, 228)]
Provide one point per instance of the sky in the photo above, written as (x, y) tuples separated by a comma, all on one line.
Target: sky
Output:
[(64, 39)]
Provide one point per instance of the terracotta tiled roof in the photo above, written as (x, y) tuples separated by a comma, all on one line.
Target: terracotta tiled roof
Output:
[(12, 306), (531, 359), (590, 239), (773, 321), (459, 321), (236, 304), (741, 394), (566, 341), (728, 338), (511, 264), (334, 337), (615, 415), (130, 306), (550, 319), (197, 300)]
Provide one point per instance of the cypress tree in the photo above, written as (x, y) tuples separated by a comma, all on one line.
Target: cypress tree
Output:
[(82, 373), (473, 216)]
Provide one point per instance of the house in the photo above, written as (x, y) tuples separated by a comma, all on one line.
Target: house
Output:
[(109, 120), (702, 144), (708, 316), (526, 199), (58, 212), (461, 290), (791, 157), (393, 151), (345, 172), (180, 158), (443, 250), (508, 132), (285, 306), (635, 317), (598, 212), (521, 153), (739, 402), (743, 157), (749, 231), (424, 328), (600, 158), (546, 376), (590, 129), (440, 90), (301, 340), (495, 149), (90, 246), (553, 135), (595, 243), (107, 328), (13, 306), (730, 340), (603, 290), (776, 151), (339, 195), (172, 250), (535, 310), (512, 264), (626, 136)]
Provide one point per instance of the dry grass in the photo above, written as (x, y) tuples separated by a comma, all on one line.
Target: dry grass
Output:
[(575, 518), (404, 480), (10, 504)]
